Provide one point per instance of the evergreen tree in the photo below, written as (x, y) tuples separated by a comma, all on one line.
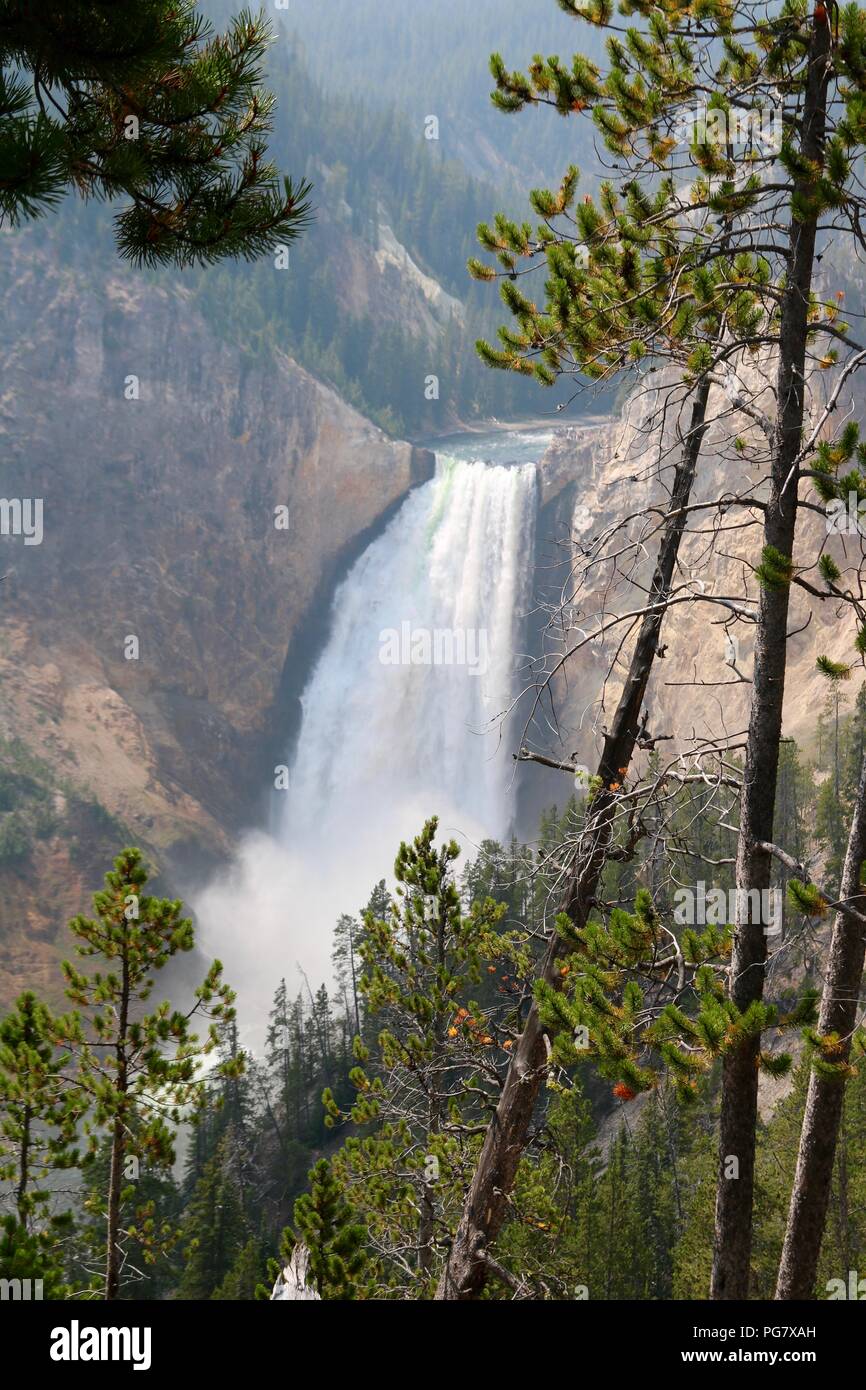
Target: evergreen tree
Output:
[(344, 957), (152, 1227), (39, 1111), (39, 1115), (594, 1220), (215, 1230), (245, 1275), (138, 1071), (792, 795), (639, 274), (550, 1245), (855, 747), (831, 829), (659, 269), (844, 1240), (34, 1255), (833, 1045), (144, 102), (433, 1069), (329, 1229)]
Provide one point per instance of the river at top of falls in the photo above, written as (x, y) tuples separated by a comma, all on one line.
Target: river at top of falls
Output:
[(420, 666), (403, 715)]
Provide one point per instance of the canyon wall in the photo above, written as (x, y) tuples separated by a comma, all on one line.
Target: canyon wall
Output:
[(196, 505), (593, 476)]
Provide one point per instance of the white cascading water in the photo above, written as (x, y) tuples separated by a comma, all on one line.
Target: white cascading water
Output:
[(379, 736), (402, 719)]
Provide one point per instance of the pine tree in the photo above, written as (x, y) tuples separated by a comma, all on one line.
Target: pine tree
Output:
[(138, 1071), (215, 1229), (144, 102), (39, 1115), (855, 750), (640, 273), (39, 1111), (832, 1045), (35, 1256), (831, 830), (278, 1043), (792, 793), (816, 155), (151, 1231), (329, 1229), (549, 1246), (606, 266), (593, 1221), (245, 1275), (432, 1070), (344, 957), (845, 1235)]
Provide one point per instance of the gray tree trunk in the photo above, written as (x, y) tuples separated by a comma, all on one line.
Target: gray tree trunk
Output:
[(113, 1252), (739, 1105), (825, 1097), (486, 1202)]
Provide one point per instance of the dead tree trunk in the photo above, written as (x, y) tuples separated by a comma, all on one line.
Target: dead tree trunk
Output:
[(824, 1099), (486, 1201), (739, 1105)]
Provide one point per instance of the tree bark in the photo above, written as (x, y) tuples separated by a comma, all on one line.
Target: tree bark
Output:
[(825, 1096), (115, 1181), (24, 1167), (427, 1223), (118, 1146), (739, 1104), (486, 1201)]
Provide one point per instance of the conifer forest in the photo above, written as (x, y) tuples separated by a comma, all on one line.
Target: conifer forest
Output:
[(432, 669)]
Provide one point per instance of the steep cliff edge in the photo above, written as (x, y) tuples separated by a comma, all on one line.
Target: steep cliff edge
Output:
[(192, 500), (593, 476)]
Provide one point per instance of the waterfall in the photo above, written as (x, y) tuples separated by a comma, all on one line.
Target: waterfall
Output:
[(402, 717), (393, 717)]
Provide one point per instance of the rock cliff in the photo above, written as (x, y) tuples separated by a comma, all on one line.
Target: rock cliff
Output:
[(593, 475), (196, 506)]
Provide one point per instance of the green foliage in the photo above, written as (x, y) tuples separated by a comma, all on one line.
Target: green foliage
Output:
[(599, 1014), (646, 281), (14, 839), (777, 1064), (428, 1075), (27, 789), (778, 1140), (418, 60), (332, 1235), (31, 1255), (243, 1280), (380, 172), (833, 670), (139, 1070), (151, 106), (215, 1233), (39, 1118), (826, 1057), (593, 1222), (806, 898), (830, 571), (775, 571), (442, 973), (152, 1211), (39, 1112)]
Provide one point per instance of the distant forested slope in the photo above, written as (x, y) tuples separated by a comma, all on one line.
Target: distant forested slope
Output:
[(431, 59), (332, 311), (353, 84), (373, 336), (371, 167)]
